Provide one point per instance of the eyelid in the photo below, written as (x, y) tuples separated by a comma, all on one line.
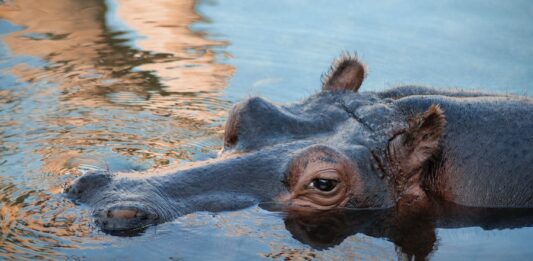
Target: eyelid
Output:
[(329, 173)]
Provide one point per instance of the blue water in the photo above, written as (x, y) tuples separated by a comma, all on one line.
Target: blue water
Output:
[(133, 85), (281, 49)]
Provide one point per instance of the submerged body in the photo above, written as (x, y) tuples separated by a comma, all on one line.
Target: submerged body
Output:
[(408, 148)]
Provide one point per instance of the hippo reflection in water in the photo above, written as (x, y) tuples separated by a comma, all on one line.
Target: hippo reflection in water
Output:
[(408, 150)]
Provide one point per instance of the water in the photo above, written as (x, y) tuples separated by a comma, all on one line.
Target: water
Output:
[(129, 85)]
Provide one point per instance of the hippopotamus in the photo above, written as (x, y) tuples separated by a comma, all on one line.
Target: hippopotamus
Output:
[(406, 149)]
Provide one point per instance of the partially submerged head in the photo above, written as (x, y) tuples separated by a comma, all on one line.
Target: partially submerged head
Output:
[(336, 149)]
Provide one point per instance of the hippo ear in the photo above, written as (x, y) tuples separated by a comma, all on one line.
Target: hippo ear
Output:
[(419, 142), (346, 73)]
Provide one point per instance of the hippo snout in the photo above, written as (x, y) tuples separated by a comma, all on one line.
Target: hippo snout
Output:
[(87, 184), (121, 206)]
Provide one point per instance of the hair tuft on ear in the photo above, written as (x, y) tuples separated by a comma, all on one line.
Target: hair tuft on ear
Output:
[(424, 133), (431, 123), (410, 150), (346, 73)]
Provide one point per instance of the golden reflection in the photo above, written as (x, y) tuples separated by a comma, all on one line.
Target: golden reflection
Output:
[(87, 91), (171, 72), (90, 61), (165, 27), (34, 224), (79, 44)]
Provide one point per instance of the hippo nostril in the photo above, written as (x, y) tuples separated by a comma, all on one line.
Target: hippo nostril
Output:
[(127, 213), (123, 213), (130, 217)]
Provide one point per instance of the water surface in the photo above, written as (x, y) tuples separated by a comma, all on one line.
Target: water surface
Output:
[(130, 85)]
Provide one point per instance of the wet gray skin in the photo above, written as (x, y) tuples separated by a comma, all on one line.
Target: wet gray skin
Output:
[(404, 149)]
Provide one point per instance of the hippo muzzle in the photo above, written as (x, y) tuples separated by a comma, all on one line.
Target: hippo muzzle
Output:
[(132, 201)]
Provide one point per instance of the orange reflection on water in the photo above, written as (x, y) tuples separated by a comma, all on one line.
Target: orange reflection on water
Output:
[(90, 61), (171, 73), (94, 94), (34, 224), (165, 26)]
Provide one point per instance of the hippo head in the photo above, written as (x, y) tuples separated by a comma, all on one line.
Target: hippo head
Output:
[(336, 149)]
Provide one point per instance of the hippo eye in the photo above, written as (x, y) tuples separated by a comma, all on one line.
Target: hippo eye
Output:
[(325, 185)]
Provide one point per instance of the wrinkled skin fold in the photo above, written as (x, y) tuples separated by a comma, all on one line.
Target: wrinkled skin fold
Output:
[(407, 150)]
